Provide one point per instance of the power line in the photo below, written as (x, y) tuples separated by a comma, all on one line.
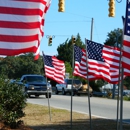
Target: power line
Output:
[(74, 14), (64, 21)]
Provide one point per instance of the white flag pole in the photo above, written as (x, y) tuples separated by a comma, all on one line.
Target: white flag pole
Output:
[(47, 88), (73, 43), (88, 87)]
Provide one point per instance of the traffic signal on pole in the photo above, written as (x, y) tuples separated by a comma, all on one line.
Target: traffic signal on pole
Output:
[(50, 41), (61, 6), (73, 39), (111, 8)]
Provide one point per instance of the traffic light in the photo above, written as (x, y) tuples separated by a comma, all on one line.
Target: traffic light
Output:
[(61, 6), (111, 8), (50, 41), (73, 39)]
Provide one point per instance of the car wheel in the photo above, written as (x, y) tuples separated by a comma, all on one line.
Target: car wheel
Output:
[(63, 92), (73, 93), (29, 96), (78, 94), (48, 95), (91, 94), (56, 91), (36, 95)]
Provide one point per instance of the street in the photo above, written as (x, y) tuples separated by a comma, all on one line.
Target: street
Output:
[(100, 107)]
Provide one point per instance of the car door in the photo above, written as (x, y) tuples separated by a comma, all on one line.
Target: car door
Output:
[(59, 87)]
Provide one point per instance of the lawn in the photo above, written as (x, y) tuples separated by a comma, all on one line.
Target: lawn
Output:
[(39, 117)]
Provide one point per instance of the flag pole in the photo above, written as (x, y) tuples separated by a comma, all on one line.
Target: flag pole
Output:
[(72, 80), (47, 87), (122, 77), (88, 87), (120, 84)]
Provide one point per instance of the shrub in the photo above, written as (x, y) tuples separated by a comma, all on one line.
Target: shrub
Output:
[(12, 103), (127, 98)]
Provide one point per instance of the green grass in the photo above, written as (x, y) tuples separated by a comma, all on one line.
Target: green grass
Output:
[(39, 118)]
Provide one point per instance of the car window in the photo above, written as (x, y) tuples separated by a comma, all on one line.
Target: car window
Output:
[(36, 79), (74, 81)]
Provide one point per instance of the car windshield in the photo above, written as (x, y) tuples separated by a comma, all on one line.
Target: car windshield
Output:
[(74, 81), (36, 79)]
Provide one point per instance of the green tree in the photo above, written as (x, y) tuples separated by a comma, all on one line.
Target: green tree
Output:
[(13, 67), (65, 50), (68, 69), (114, 37)]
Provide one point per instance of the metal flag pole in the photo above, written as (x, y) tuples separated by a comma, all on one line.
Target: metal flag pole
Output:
[(88, 88), (72, 79), (119, 86), (47, 88), (122, 77)]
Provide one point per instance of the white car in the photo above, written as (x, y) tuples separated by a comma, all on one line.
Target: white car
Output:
[(66, 87)]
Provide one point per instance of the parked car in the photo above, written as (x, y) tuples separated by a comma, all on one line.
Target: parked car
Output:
[(36, 85), (66, 87), (84, 90), (99, 94), (126, 93)]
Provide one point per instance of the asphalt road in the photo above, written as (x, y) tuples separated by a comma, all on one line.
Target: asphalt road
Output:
[(100, 107)]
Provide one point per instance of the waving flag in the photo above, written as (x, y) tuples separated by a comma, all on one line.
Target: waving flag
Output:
[(54, 68), (102, 62), (21, 25), (126, 40)]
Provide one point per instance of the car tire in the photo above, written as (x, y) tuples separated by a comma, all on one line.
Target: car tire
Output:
[(63, 92), (36, 95), (48, 95), (91, 94), (29, 96), (78, 94), (73, 93), (56, 91)]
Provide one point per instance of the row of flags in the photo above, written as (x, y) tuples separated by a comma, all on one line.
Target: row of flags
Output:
[(101, 62), (21, 31)]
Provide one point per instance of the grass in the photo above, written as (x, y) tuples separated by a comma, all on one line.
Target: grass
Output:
[(39, 118)]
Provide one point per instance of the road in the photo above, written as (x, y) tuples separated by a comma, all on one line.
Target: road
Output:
[(100, 107)]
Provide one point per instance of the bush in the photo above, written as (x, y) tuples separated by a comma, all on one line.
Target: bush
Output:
[(127, 98), (12, 103)]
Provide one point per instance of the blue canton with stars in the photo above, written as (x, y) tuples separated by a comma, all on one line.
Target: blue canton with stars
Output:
[(127, 19), (78, 53), (48, 60), (94, 51)]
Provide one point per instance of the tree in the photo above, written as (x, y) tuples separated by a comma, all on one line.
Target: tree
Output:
[(13, 67), (114, 37), (65, 49)]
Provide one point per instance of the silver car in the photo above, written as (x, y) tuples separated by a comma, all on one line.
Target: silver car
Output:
[(66, 87)]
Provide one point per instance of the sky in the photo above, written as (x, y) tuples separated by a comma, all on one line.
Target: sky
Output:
[(77, 18)]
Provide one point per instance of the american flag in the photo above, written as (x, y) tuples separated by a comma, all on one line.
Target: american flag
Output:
[(54, 68), (21, 25), (126, 40), (102, 62)]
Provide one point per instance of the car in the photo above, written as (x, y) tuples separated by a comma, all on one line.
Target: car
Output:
[(126, 93), (66, 87), (84, 90), (99, 94), (36, 85)]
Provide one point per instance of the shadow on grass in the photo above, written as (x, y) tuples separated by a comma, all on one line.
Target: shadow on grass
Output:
[(81, 124)]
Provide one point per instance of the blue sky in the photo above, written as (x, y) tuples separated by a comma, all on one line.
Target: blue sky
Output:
[(77, 19)]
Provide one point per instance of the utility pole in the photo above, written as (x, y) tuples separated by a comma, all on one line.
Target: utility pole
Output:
[(91, 36)]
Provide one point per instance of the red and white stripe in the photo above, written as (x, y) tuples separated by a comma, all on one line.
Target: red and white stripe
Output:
[(57, 73), (37, 54), (21, 24), (108, 70), (126, 53)]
